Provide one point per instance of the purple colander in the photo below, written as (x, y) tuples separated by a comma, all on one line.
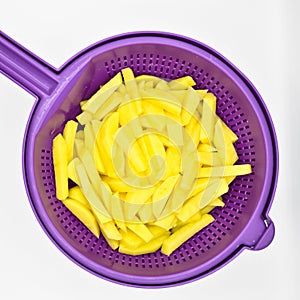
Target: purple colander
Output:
[(243, 223)]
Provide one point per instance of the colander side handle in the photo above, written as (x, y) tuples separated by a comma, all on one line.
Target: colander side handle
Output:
[(25, 68), (259, 234)]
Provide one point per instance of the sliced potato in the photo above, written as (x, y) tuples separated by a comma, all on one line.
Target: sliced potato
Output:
[(184, 233), (163, 99), (224, 144), (69, 136), (162, 193), (182, 83), (60, 162), (103, 94), (141, 230), (72, 170), (75, 193), (84, 215), (111, 231), (224, 171), (173, 162), (149, 247)]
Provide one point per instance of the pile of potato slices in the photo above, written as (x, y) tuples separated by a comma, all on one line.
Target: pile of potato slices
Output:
[(145, 162)]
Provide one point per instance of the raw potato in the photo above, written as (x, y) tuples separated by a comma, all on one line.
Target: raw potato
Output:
[(60, 162), (184, 233), (75, 193), (150, 160), (84, 215), (69, 136)]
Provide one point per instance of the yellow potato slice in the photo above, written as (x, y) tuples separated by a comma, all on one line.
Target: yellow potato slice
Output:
[(173, 162), (153, 116), (122, 226), (162, 85), (201, 93), (172, 117), (149, 85), (100, 217), (229, 179), (165, 140), (114, 244), (194, 218), (217, 202), (111, 231), (87, 189), (103, 94), (135, 200), (105, 140), (207, 209), (84, 215), (128, 111), (145, 213), (156, 150), (208, 118), (76, 194), (149, 247), (110, 126), (156, 231), (179, 94), (209, 158), (182, 83), (69, 136), (147, 78), (79, 135), (98, 159), (194, 128), (117, 185), (109, 106), (83, 104), (163, 99), (229, 133), (189, 106), (89, 138), (224, 145), (141, 230), (200, 185), (84, 117), (206, 148), (136, 158), (117, 207), (223, 171), (60, 162), (167, 222), (176, 239), (162, 194), (215, 189), (72, 171), (175, 133), (132, 89), (129, 238), (190, 166), (93, 175)]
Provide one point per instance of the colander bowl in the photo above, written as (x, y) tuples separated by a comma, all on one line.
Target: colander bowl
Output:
[(243, 223)]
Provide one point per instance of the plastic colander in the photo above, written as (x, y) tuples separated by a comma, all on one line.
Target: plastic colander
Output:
[(243, 223)]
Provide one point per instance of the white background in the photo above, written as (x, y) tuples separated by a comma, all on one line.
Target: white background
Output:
[(260, 37)]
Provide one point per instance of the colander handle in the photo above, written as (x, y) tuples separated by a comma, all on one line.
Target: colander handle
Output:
[(259, 233), (26, 69)]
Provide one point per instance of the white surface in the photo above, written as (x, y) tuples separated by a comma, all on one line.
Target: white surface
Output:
[(257, 36)]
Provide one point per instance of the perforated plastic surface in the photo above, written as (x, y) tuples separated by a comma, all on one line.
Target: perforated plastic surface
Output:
[(233, 106)]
